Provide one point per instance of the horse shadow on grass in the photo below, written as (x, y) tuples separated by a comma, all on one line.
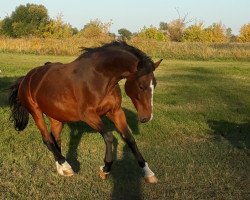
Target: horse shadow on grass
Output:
[(5, 83), (125, 173), (236, 133)]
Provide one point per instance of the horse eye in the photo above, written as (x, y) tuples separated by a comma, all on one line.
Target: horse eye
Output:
[(141, 87)]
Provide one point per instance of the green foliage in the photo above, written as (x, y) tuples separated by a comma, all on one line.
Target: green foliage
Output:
[(125, 33), (26, 20), (94, 29), (163, 26), (57, 29), (194, 33), (6, 28), (32, 20), (215, 33), (1, 27), (152, 33), (244, 33)]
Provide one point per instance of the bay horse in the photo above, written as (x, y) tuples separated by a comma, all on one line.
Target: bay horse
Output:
[(84, 90)]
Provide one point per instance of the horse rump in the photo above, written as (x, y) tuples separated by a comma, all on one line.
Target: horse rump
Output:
[(19, 114)]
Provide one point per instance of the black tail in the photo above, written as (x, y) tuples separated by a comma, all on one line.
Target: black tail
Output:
[(19, 114)]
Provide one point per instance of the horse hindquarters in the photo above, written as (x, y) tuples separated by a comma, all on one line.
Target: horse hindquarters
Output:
[(22, 104)]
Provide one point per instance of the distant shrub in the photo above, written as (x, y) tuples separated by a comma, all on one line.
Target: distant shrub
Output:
[(194, 33), (175, 29), (216, 33), (95, 29), (152, 33), (56, 28), (125, 33), (244, 35)]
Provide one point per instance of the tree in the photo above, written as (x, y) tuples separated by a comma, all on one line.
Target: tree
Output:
[(194, 33), (152, 33), (125, 33), (95, 28), (176, 29), (25, 20), (57, 29), (1, 27), (229, 33), (244, 35), (216, 33), (163, 27)]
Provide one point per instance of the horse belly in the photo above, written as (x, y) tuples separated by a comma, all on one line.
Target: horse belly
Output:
[(58, 103), (62, 113)]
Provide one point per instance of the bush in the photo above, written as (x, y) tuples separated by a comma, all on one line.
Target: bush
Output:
[(244, 33), (152, 33), (125, 33), (194, 33), (216, 33), (175, 29), (57, 29), (95, 29)]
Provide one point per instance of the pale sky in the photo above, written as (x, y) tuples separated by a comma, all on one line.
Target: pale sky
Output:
[(135, 14)]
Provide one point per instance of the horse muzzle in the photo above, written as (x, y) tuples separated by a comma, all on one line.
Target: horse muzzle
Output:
[(144, 119)]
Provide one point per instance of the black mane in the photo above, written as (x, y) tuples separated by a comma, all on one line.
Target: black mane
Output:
[(145, 62)]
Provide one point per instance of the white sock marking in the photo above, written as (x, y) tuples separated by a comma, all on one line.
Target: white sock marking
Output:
[(101, 168), (147, 171), (63, 167)]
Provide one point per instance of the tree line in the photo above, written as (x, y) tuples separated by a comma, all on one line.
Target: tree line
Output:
[(32, 20)]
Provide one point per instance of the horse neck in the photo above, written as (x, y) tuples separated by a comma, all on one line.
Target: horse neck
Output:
[(104, 78)]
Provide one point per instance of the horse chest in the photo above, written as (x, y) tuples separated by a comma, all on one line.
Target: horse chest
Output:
[(110, 102)]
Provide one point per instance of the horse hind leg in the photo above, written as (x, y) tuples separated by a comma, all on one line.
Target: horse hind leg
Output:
[(48, 140), (63, 168)]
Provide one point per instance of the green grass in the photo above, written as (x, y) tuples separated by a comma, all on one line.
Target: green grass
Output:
[(197, 144)]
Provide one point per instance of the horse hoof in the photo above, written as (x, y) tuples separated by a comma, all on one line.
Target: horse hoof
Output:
[(103, 175), (64, 169), (68, 172), (151, 179)]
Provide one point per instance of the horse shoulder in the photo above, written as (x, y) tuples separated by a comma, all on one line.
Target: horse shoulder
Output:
[(112, 101)]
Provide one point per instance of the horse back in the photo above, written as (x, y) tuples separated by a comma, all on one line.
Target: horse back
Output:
[(62, 93)]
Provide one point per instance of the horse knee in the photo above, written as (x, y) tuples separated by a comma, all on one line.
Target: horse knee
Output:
[(108, 137), (130, 140)]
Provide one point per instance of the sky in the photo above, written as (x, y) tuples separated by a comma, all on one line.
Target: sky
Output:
[(135, 14)]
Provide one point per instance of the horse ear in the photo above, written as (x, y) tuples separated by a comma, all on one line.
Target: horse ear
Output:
[(156, 64)]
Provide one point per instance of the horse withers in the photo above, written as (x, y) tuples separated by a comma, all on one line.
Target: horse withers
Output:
[(85, 90)]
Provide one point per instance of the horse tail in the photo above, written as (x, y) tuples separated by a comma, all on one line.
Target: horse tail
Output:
[(19, 114)]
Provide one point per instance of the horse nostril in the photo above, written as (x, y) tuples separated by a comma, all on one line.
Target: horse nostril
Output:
[(144, 120)]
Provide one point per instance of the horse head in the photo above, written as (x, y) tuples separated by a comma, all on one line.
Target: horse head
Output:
[(140, 88)]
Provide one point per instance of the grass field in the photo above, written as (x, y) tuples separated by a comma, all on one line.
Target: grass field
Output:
[(198, 143)]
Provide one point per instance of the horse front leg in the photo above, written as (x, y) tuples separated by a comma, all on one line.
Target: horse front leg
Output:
[(96, 123), (119, 119)]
